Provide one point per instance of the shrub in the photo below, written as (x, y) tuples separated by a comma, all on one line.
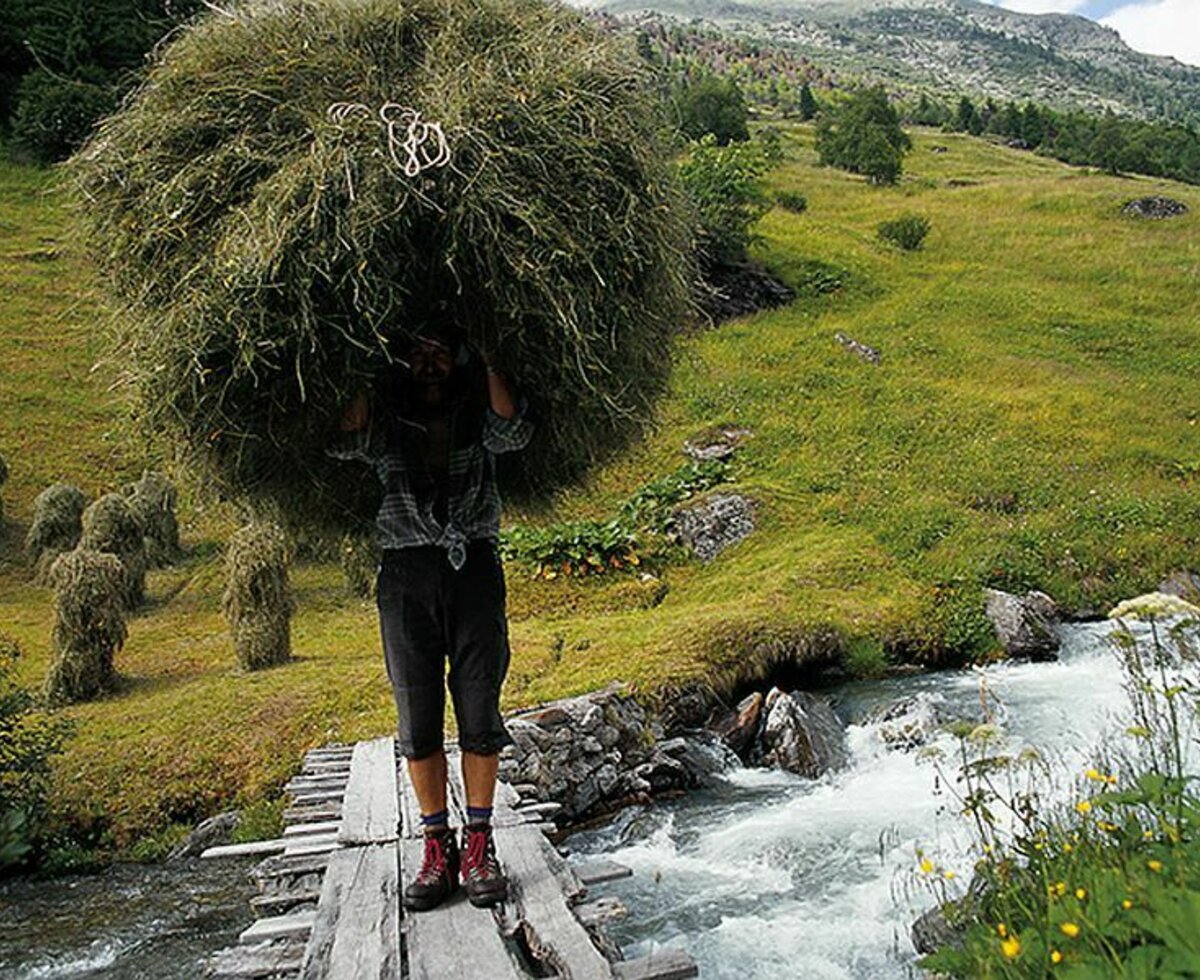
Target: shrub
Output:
[(555, 237), (54, 115), (724, 184), (257, 600), (712, 105), (89, 624), (56, 527), (30, 739), (907, 232), (792, 201)]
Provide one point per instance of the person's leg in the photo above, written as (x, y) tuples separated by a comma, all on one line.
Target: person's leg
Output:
[(428, 776), (479, 777)]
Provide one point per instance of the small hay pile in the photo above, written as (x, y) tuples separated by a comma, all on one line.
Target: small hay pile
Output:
[(153, 499), (89, 624), (359, 558), (270, 246), (109, 525), (3, 480), (257, 600), (57, 526)]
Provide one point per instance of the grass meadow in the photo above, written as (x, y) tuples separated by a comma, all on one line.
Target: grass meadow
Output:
[(1034, 422)]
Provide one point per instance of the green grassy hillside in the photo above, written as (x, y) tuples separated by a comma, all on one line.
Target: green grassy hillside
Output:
[(1034, 422)]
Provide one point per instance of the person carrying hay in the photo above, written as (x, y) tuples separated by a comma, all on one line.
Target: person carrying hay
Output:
[(430, 432)]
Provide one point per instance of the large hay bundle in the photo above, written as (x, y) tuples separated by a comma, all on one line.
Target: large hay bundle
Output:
[(3, 480), (89, 624), (270, 245), (56, 527), (257, 600), (109, 525), (152, 500)]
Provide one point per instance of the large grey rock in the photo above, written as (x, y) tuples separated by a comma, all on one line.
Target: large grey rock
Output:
[(1024, 624), (738, 728), (208, 833), (715, 442), (909, 722), (713, 524), (802, 735), (1184, 584)]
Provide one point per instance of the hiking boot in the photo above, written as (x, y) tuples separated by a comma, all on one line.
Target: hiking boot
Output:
[(438, 877), (481, 874)]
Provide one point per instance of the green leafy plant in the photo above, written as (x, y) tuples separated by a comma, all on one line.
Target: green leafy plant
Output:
[(792, 201), (724, 185), (863, 135), (907, 232), (650, 507)]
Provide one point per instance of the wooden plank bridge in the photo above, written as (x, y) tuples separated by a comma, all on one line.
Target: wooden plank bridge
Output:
[(329, 904)]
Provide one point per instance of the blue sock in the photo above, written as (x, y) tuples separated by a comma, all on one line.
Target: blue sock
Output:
[(479, 814), (435, 822)]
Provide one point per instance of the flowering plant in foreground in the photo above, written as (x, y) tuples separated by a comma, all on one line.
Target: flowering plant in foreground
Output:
[(1107, 884)]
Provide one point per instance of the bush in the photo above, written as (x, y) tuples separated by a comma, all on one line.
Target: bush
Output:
[(724, 184), (30, 739), (792, 201), (907, 232), (556, 236), (711, 105), (54, 116)]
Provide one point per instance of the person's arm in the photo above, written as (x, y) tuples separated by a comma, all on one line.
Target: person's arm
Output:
[(355, 440), (506, 428), (357, 415)]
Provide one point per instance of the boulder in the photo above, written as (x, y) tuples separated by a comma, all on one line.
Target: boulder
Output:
[(803, 735), (713, 524), (1024, 624), (703, 755), (1155, 208), (208, 833), (738, 728), (1185, 584), (715, 442), (909, 722)]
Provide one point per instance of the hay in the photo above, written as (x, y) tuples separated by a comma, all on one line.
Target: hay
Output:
[(152, 500), (89, 624), (359, 557), (257, 600), (109, 525), (3, 480), (57, 526), (268, 258)]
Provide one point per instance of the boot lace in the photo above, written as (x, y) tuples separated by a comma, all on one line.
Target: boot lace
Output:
[(434, 864), (479, 861)]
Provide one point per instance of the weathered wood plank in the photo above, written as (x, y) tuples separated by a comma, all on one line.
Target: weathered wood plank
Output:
[(669, 964), (278, 927), (316, 827), (455, 942), (260, 960), (370, 808), (279, 865), (275, 902), (601, 869), (330, 810), (540, 886), (319, 844), (273, 846), (356, 933), (316, 796)]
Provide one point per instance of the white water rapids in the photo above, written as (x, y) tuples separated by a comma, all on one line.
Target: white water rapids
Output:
[(772, 876)]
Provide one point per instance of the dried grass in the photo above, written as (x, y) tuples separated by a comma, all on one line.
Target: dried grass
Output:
[(257, 599), (110, 525), (56, 527), (89, 624)]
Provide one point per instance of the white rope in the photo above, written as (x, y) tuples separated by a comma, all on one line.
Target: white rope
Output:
[(414, 144)]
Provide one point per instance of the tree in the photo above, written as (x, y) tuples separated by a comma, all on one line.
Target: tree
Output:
[(1033, 126), (1107, 144), (711, 105), (863, 135), (808, 104), (966, 119), (724, 185)]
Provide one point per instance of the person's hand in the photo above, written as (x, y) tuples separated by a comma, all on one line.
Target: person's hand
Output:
[(357, 414)]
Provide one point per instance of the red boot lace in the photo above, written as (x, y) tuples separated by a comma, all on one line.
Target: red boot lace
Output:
[(476, 858), (434, 865)]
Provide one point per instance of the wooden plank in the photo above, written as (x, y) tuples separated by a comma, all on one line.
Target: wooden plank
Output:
[(317, 844), (314, 784), (260, 960), (273, 846), (316, 796), (594, 872), (279, 865), (309, 814), (370, 808), (356, 933), (283, 900), (456, 941), (278, 927), (669, 964), (302, 829), (540, 886)]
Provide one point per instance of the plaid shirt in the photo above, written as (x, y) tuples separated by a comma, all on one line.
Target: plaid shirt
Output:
[(406, 517)]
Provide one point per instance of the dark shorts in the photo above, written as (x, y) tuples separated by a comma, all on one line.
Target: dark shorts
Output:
[(430, 614)]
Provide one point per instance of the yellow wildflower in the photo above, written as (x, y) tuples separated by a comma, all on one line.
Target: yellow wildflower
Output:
[(1083, 806), (1001, 929), (1069, 929), (926, 866), (1081, 893), (1060, 888), (1068, 848), (1011, 947), (1127, 904), (1055, 956), (1154, 865), (1112, 828), (949, 875)]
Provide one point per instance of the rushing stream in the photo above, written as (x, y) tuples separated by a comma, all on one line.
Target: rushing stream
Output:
[(770, 875), (766, 875)]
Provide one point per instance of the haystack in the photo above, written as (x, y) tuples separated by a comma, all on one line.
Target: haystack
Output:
[(359, 557), (257, 600), (153, 499), (89, 624), (109, 525), (57, 526), (3, 480), (300, 185)]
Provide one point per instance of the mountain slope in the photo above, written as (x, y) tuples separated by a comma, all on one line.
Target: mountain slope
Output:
[(960, 46)]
